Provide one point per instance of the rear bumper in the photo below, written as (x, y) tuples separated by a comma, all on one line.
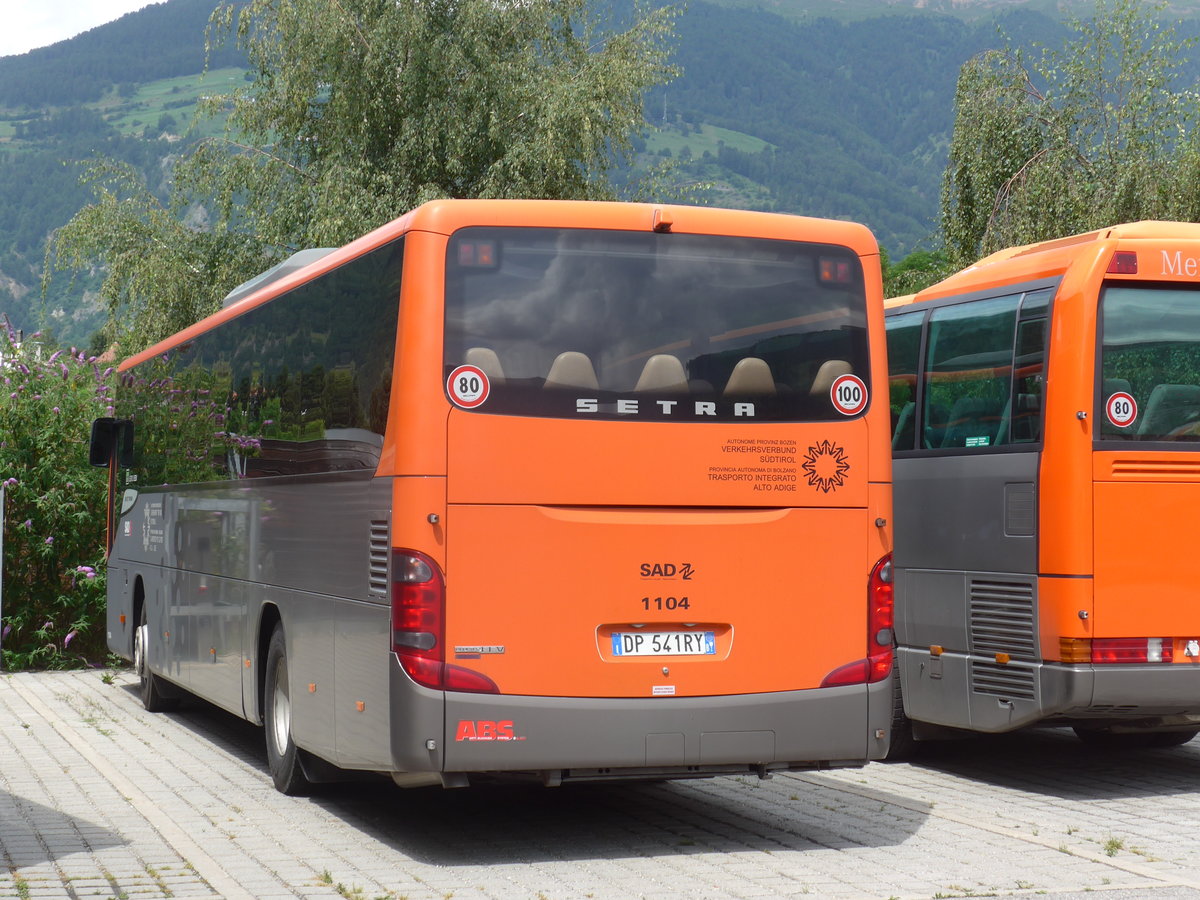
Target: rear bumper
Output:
[(957, 691), (572, 738)]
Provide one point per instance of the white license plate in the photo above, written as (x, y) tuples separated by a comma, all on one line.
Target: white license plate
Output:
[(664, 643)]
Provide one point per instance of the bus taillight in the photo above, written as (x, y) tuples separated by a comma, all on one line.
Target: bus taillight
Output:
[(419, 624), (881, 620), (1132, 650)]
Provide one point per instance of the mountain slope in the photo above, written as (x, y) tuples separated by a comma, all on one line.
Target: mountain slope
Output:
[(824, 117)]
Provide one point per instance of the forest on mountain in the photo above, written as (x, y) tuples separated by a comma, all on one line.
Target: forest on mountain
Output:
[(816, 116)]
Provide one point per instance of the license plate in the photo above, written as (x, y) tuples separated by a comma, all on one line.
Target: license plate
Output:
[(664, 643)]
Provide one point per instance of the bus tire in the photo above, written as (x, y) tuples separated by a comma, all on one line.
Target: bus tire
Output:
[(902, 746), (1103, 739), (155, 696), (283, 756)]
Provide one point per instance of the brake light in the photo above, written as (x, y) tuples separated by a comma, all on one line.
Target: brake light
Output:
[(835, 271), (1132, 650), (881, 619), (418, 626), (1123, 262)]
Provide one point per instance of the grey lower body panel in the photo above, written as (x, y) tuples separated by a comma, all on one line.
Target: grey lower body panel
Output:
[(958, 691), (459, 732)]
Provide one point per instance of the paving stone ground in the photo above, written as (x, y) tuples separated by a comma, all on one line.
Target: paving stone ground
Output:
[(100, 799)]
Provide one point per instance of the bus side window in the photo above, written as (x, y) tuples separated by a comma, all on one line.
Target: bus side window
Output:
[(969, 366), (973, 422), (905, 426), (1170, 407), (1026, 419), (1022, 422), (904, 357)]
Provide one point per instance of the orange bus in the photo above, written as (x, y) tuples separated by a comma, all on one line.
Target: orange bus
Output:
[(1046, 444), (573, 490)]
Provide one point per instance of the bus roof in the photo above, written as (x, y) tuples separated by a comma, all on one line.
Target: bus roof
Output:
[(1046, 258)]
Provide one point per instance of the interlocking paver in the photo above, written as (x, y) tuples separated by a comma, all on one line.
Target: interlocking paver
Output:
[(99, 798)]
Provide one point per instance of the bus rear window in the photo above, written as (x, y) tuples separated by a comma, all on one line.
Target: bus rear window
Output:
[(1149, 386), (612, 324)]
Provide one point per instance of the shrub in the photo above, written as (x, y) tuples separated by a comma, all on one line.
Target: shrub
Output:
[(53, 581)]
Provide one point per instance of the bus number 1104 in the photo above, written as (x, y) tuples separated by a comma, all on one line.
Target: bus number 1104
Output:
[(666, 603)]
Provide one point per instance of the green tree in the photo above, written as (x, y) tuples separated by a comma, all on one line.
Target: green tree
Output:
[(358, 111), (1092, 135), (918, 270)]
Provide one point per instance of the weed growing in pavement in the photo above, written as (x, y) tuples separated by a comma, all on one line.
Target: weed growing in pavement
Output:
[(1112, 845)]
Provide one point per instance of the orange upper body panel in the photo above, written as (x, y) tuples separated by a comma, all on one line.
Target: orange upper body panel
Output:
[(559, 533), (1145, 556)]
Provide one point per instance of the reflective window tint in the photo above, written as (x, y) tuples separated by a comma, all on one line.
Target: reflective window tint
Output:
[(1022, 420), (904, 361), (605, 324), (968, 373), (1149, 387), (298, 385)]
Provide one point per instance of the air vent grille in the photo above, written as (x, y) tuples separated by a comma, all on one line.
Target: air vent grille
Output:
[(1003, 620), (381, 545), (1005, 681)]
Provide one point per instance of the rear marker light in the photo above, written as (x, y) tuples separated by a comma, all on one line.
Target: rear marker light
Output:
[(1123, 262)]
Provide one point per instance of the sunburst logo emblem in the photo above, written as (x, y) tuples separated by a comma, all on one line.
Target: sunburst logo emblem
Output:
[(826, 466)]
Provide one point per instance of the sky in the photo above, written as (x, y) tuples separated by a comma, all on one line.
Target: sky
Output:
[(29, 24)]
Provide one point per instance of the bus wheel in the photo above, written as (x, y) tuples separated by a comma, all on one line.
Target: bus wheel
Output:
[(283, 756), (150, 686), (1104, 739)]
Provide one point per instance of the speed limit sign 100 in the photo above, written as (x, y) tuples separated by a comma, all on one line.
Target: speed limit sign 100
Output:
[(849, 395)]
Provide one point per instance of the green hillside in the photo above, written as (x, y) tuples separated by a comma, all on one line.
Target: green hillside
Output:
[(842, 118)]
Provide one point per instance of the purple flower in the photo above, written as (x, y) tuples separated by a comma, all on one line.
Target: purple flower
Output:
[(55, 355), (86, 571), (10, 482), (70, 637), (28, 523), (7, 629), (50, 540), (46, 625), (56, 409)]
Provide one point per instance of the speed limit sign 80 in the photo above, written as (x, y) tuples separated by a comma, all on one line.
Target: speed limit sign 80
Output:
[(468, 386)]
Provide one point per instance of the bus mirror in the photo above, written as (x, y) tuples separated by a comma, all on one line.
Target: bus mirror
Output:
[(111, 436)]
